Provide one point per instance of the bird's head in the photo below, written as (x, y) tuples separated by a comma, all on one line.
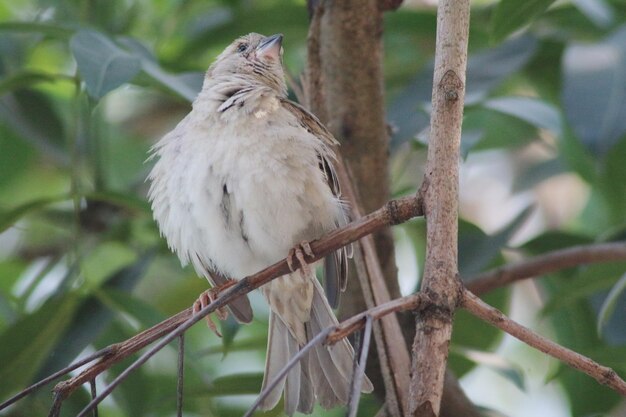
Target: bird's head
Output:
[(255, 57)]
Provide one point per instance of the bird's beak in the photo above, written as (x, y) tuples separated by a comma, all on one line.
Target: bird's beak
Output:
[(270, 47)]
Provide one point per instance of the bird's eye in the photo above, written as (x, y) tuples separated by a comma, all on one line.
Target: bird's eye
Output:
[(242, 47)]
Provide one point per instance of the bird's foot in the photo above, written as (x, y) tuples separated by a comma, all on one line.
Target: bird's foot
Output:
[(207, 297), (304, 248)]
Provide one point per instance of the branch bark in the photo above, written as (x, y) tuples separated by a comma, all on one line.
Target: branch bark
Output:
[(441, 282), (602, 374), (546, 263)]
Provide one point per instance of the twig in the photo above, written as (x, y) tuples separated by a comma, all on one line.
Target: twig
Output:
[(359, 372), (122, 350), (600, 373), (94, 394), (414, 302), (102, 352), (319, 338), (56, 405), (546, 263), (181, 375)]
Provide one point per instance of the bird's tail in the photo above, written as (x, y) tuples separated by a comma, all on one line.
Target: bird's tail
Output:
[(325, 373)]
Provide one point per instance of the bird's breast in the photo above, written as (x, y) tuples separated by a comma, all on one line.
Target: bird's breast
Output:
[(241, 195)]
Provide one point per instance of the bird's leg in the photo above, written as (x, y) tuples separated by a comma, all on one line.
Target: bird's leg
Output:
[(207, 297), (303, 248)]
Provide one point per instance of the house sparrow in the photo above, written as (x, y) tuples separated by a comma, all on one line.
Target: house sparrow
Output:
[(246, 177)]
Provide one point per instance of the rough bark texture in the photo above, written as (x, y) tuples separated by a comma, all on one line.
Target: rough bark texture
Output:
[(441, 282)]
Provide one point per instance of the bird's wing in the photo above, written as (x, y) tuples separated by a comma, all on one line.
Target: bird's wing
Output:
[(240, 306), (336, 264)]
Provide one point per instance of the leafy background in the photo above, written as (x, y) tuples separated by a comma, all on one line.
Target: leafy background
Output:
[(86, 87)]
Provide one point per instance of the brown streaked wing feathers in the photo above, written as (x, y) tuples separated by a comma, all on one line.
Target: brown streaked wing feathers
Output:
[(335, 264)]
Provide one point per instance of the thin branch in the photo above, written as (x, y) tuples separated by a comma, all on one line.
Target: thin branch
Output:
[(181, 375), (55, 410), (94, 394), (600, 373), (319, 338), (359, 372), (546, 263), (414, 302), (101, 353), (122, 350)]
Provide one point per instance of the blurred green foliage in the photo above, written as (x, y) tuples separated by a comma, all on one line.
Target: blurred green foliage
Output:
[(87, 86)]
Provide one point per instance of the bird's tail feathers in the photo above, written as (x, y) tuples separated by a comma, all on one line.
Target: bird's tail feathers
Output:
[(324, 373)]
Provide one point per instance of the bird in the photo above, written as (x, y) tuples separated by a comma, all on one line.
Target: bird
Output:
[(246, 179)]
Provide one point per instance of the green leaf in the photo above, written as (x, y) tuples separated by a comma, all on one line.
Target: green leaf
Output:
[(511, 15), (256, 344), (15, 156), (33, 116), (598, 11), (122, 200), (238, 384), (104, 261), (229, 329), (186, 85), (577, 157), (537, 173), (575, 327), (544, 70), (612, 181), (496, 363), (477, 250), (584, 282), (473, 333), (610, 302), (594, 91), (10, 217), (48, 29), (408, 111), (121, 301), (491, 124), (534, 111), (28, 342), (102, 64), (28, 78), (93, 317)]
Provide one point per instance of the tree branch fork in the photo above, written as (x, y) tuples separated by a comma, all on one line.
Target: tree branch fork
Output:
[(394, 212)]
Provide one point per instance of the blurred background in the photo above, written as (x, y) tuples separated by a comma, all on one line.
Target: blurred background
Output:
[(86, 87)]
